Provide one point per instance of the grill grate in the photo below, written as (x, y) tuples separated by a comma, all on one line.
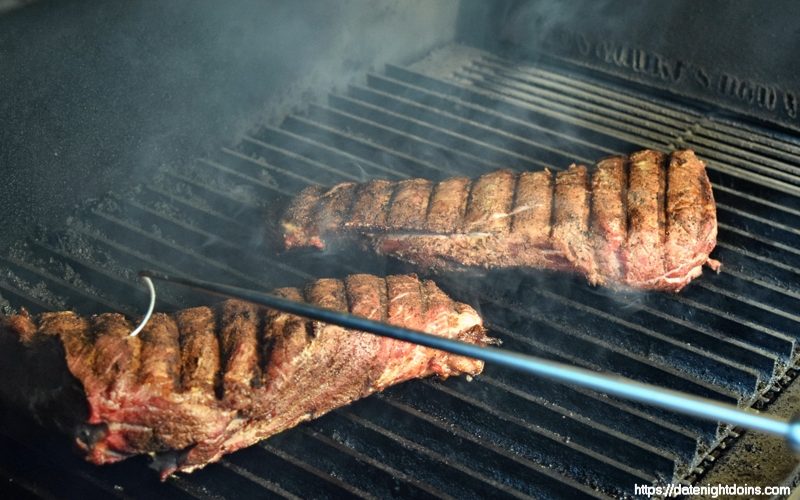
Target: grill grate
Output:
[(728, 336)]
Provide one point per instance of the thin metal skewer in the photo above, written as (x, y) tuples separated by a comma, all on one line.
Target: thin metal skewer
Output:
[(610, 384), (146, 318)]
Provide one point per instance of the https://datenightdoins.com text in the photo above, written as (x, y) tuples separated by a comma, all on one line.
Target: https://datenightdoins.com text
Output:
[(709, 490)]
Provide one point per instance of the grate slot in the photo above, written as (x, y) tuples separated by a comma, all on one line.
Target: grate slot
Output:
[(710, 341), (107, 282), (273, 178), (698, 428), (220, 201), (625, 421), (329, 461), (779, 267), (761, 245), (474, 121), (82, 299), (623, 336), (225, 482), (776, 317), (17, 297), (455, 443), (660, 349), (255, 173), (448, 158), (594, 105), (266, 462), (742, 137), (425, 435), (742, 157), (776, 232), (225, 227), (778, 344), (532, 415), (289, 161), (269, 486), (45, 478), (781, 214), (406, 455), (741, 275), (185, 259), (562, 338), (455, 139), (591, 90), (360, 147), (389, 481), (520, 97), (322, 153), (735, 177), (398, 81)]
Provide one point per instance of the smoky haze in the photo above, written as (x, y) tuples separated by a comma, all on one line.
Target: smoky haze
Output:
[(97, 96)]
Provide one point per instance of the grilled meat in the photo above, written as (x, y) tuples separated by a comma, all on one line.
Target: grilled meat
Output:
[(203, 382), (647, 221)]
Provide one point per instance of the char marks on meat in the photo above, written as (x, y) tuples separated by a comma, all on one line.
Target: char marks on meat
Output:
[(647, 221), (202, 382)]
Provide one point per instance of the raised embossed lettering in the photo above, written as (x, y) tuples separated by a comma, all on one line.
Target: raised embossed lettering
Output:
[(790, 104)]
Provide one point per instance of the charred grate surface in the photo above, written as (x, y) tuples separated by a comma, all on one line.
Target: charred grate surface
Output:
[(730, 336)]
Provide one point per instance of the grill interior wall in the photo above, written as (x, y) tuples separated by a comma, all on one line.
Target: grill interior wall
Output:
[(729, 336)]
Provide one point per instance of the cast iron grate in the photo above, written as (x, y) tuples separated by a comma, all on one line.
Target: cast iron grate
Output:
[(729, 336)]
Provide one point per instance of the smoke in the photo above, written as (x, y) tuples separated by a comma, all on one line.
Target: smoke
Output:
[(121, 98), (101, 96), (143, 89)]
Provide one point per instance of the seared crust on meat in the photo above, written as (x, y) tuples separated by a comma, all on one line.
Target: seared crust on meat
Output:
[(366, 297), (644, 222), (199, 349), (533, 206), (203, 382), (334, 206), (448, 204), (490, 202), (75, 333), (116, 360), (370, 205), (239, 329), (644, 248), (410, 204), (691, 218), (609, 221), (298, 224), (405, 306), (571, 220), (160, 353)]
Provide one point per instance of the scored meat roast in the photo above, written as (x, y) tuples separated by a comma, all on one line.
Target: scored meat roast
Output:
[(647, 221), (202, 382)]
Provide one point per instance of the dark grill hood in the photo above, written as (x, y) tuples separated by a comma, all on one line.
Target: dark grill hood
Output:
[(730, 336), (733, 58)]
